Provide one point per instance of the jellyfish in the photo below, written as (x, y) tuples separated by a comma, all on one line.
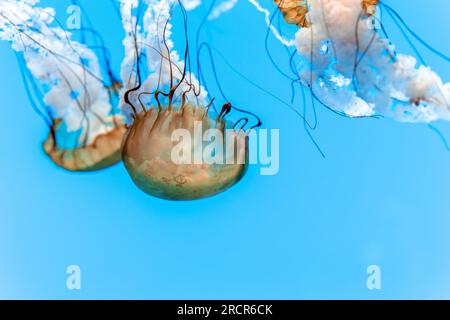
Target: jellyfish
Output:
[(348, 62), (163, 97), (68, 85)]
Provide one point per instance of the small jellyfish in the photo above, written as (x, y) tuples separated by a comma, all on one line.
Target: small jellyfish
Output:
[(73, 90), (295, 11), (170, 100), (346, 59)]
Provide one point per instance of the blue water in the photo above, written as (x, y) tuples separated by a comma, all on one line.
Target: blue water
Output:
[(379, 197)]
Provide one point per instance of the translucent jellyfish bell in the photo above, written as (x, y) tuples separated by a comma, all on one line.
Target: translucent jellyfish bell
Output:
[(148, 155), (74, 92), (169, 101)]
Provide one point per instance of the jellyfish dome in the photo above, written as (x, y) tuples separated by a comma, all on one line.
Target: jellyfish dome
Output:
[(351, 66), (165, 99), (295, 11), (148, 155), (69, 87)]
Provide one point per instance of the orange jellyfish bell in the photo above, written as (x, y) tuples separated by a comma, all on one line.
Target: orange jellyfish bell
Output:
[(149, 147), (100, 152), (294, 11), (103, 152), (369, 6)]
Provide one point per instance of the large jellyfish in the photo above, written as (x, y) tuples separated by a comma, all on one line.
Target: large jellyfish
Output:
[(350, 65), (75, 93), (164, 99)]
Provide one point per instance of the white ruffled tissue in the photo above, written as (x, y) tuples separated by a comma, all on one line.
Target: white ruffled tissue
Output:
[(70, 72), (383, 82), (148, 35)]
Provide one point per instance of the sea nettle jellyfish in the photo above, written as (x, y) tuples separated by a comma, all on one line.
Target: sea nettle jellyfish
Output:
[(167, 106), (348, 62), (74, 92)]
